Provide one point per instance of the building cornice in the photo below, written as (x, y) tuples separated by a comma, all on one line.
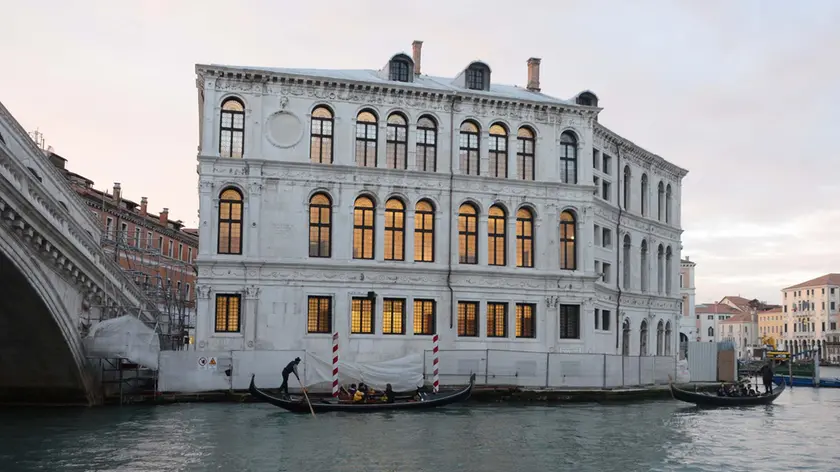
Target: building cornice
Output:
[(253, 171), (637, 222), (265, 82), (143, 222), (640, 156)]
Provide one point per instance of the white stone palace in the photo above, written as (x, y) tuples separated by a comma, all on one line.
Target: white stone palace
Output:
[(388, 205)]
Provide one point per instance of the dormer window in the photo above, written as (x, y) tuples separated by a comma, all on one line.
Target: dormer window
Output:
[(399, 71), (401, 68), (587, 99), (475, 78)]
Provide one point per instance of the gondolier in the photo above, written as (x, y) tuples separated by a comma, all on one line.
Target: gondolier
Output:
[(291, 368)]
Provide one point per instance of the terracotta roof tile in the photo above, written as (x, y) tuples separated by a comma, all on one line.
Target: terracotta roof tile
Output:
[(716, 308), (740, 318), (827, 279)]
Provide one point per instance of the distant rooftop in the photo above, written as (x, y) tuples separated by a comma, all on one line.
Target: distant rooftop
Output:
[(827, 279)]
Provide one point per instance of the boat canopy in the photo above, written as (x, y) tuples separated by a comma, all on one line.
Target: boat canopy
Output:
[(404, 373)]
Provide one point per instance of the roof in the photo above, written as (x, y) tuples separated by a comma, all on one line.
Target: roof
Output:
[(739, 318), (772, 311), (716, 308), (421, 81), (827, 279)]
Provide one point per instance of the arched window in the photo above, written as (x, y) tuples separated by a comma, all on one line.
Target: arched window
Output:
[(525, 153), (660, 202), (668, 271), (668, 205), (627, 188), (568, 158), (469, 150), (320, 226), (644, 267), (321, 136), (497, 148), (668, 338), (232, 129), (568, 233), (396, 142), (496, 237), (643, 339), (524, 238), (394, 230), (644, 195), (366, 138), (230, 222), (625, 337), (627, 265), (424, 232), (363, 228), (660, 270), (660, 333), (467, 234), (426, 144)]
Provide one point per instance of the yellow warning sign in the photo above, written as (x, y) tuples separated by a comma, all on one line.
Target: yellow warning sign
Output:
[(212, 363)]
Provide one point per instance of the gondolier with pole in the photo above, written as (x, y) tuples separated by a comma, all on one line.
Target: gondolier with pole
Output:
[(291, 368)]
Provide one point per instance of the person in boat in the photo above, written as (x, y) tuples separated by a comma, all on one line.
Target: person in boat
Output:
[(767, 377), (352, 390), (291, 368), (388, 397), (721, 391)]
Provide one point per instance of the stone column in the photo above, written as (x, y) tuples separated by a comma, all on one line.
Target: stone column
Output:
[(251, 318), (251, 224), (379, 233), (510, 233), (481, 240), (408, 249)]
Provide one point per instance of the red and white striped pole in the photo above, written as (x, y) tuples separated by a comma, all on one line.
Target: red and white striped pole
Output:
[(335, 365), (435, 364)]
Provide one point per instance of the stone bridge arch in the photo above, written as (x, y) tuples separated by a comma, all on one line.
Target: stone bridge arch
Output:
[(41, 353)]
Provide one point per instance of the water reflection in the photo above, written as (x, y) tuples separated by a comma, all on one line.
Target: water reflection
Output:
[(256, 437)]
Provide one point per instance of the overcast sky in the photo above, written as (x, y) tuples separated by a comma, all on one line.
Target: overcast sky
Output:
[(745, 94)]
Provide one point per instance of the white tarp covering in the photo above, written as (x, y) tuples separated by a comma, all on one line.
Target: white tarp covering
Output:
[(404, 374), (683, 375), (124, 337)]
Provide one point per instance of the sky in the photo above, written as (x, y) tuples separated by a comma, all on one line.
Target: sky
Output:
[(743, 94)]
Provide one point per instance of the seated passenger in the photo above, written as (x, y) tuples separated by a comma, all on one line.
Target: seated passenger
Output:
[(388, 397), (721, 391), (359, 396), (352, 390)]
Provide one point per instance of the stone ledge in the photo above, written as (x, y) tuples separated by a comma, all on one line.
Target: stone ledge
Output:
[(481, 395)]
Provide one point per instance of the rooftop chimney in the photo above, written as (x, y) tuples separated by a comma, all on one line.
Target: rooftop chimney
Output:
[(144, 203), (416, 46), (164, 217), (534, 74), (117, 191)]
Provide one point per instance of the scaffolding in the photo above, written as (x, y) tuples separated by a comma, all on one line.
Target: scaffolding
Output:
[(166, 281), (166, 286)]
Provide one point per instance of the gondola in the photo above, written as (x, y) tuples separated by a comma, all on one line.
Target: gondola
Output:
[(711, 398), (301, 406)]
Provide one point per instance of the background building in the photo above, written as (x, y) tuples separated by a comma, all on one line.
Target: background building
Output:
[(709, 319), (389, 205), (742, 330), (689, 323), (810, 310), (771, 327), (156, 252)]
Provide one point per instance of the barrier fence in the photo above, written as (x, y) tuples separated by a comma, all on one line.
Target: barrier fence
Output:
[(549, 369), (197, 371)]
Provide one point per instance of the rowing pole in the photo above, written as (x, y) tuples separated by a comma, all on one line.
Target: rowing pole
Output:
[(312, 410)]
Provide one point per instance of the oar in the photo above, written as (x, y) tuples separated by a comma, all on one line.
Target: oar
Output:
[(312, 410)]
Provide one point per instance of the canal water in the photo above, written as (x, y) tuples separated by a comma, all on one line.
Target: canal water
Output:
[(798, 432)]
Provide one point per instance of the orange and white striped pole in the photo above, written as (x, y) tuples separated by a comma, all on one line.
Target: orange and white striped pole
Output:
[(335, 365), (435, 365)]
